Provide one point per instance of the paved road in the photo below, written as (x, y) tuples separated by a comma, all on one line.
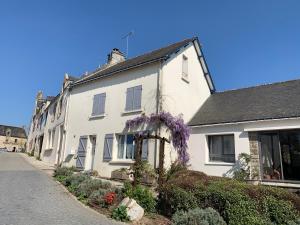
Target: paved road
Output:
[(30, 197)]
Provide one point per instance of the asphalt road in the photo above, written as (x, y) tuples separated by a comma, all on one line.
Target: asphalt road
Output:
[(30, 197)]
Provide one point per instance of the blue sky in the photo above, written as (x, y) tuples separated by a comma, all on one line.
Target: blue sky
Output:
[(245, 42)]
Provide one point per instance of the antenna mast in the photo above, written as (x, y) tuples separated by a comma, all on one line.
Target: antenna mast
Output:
[(127, 38)]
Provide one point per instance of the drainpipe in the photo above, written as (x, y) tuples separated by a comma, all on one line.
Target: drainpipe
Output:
[(158, 104)]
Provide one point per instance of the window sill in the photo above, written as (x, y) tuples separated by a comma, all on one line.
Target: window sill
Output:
[(219, 164), (132, 112), (120, 161), (97, 117)]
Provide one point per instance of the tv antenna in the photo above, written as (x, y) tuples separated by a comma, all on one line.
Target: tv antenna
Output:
[(127, 38)]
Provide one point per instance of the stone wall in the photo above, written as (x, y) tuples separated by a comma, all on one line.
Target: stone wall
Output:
[(254, 153)]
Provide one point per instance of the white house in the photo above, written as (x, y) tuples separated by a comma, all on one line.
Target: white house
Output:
[(173, 79), (262, 121), (47, 131)]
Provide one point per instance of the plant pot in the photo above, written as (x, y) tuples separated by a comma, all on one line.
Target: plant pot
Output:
[(120, 175)]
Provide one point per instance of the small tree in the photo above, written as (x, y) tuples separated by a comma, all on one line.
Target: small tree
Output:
[(179, 131)]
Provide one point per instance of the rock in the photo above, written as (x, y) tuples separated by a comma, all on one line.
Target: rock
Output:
[(134, 211)]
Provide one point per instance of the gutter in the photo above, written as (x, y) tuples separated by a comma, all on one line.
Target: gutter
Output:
[(117, 71), (243, 122)]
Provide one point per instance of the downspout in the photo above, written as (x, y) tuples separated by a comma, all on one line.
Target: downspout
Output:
[(65, 127), (158, 104)]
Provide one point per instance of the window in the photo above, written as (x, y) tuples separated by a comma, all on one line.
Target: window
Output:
[(16, 140), (221, 148), (185, 68), (133, 98), (99, 104), (126, 146)]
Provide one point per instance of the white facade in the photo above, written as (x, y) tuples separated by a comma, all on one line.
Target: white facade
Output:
[(164, 88), (199, 149)]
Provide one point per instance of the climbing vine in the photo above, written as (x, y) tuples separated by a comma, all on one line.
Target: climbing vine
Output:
[(180, 132)]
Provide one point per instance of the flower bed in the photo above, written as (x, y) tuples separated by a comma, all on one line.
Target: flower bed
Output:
[(237, 202), (105, 197)]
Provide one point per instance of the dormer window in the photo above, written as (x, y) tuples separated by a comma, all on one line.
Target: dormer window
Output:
[(185, 68)]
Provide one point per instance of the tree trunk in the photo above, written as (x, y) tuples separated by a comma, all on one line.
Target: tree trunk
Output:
[(161, 161)]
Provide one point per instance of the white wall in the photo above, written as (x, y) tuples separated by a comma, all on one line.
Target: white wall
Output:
[(54, 123), (198, 147), (79, 122), (180, 96)]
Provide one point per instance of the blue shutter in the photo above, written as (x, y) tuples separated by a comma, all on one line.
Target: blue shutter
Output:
[(137, 97), (145, 149), (98, 104), (102, 103), (107, 149), (129, 99)]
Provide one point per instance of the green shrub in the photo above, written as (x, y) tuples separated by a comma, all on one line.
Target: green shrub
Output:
[(61, 178), (86, 187), (296, 222), (176, 167), (244, 213), (72, 182), (96, 197), (179, 199), (64, 171), (120, 214), (279, 211), (142, 195), (243, 173), (198, 216)]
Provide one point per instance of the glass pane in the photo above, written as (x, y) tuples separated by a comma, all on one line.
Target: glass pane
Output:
[(129, 147), (121, 146), (215, 150)]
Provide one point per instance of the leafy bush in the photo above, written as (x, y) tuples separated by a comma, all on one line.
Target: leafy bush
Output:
[(175, 199), (142, 195), (237, 202), (279, 211), (176, 167), (296, 222), (64, 171), (199, 216), (87, 186), (97, 197), (120, 214), (244, 213), (243, 173), (72, 182)]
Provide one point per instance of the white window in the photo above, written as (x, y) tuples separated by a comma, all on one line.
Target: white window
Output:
[(221, 148), (133, 98), (126, 146), (185, 68)]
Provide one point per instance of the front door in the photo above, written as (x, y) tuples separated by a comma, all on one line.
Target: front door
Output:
[(81, 153)]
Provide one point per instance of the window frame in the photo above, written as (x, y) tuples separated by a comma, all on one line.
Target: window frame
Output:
[(223, 154)]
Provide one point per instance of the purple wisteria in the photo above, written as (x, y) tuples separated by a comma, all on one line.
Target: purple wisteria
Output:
[(180, 132)]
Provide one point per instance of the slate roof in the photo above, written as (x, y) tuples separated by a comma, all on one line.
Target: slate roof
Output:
[(15, 131), (162, 53), (270, 101)]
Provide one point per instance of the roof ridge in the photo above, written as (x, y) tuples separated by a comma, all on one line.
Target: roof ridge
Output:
[(135, 57), (257, 86)]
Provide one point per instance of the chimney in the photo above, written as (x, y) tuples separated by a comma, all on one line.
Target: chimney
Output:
[(116, 56)]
